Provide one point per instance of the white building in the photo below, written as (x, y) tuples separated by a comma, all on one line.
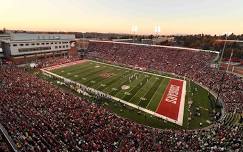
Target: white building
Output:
[(21, 46)]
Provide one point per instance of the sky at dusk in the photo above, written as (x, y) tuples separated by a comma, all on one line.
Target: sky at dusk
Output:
[(118, 16)]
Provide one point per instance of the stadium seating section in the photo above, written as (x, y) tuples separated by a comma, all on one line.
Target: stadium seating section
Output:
[(42, 117)]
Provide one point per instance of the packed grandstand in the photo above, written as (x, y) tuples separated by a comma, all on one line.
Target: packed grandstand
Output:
[(39, 116)]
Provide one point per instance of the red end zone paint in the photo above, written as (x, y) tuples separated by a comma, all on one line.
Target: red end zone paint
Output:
[(170, 103)]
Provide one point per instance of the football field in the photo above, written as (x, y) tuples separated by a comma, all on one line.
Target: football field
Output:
[(157, 95)]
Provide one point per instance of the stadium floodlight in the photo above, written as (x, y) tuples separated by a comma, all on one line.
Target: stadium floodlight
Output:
[(219, 64), (156, 30), (134, 31)]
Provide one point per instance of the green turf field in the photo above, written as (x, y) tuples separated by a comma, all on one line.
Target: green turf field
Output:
[(140, 88), (144, 90)]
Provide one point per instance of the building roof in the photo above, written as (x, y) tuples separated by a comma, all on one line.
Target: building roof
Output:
[(29, 36)]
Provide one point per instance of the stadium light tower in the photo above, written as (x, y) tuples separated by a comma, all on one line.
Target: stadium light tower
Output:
[(134, 31), (83, 47), (222, 54), (220, 61), (157, 31), (229, 62)]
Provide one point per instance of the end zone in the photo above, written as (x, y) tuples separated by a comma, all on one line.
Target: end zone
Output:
[(172, 103)]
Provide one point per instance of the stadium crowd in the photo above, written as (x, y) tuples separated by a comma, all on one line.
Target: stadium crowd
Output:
[(39, 116), (4, 146), (190, 63)]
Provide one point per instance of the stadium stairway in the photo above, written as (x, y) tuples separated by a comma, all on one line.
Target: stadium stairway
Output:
[(232, 119)]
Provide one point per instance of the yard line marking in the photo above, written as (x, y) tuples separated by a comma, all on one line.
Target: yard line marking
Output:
[(89, 73), (137, 80), (96, 75), (110, 81), (148, 90), (75, 67), (133, 84), (117, 84), (78, 72), (155, 92), (136, 70), (117, 76), (140, 89), (162, 97), (113, 80)]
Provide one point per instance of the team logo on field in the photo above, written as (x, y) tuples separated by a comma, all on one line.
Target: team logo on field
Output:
[(125, 87), (106, 75), (173, 93)]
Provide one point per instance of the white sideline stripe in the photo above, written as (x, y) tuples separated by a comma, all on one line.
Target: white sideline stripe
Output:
[(182, 104), (117, 99)]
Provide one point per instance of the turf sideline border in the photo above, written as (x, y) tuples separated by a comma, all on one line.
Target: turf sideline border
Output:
[(182, 104), (179, 121)]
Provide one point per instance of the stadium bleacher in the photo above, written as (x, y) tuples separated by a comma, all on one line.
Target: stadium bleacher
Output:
[(40, 116), (4, 146)]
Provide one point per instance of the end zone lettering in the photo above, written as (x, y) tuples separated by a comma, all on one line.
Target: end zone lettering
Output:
[(172, 96), (170, 103)]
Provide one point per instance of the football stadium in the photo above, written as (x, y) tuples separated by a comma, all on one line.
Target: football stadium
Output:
[(135, 88), (141, 90), (118, 92)]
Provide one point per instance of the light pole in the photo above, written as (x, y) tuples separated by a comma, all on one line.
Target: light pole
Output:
[(157, 31), (222, 78), (134, 31), (83, 41), (229, 62), (222, 54)]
